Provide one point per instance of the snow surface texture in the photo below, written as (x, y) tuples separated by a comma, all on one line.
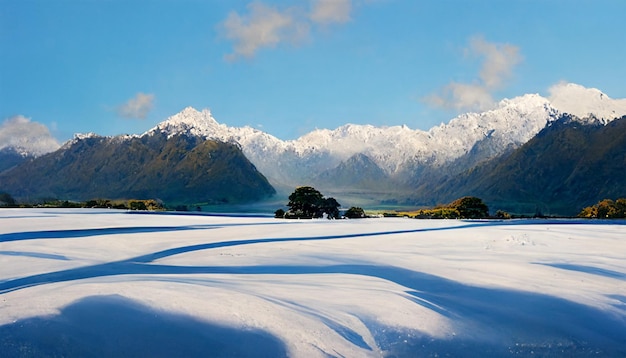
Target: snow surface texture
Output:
[(110, 283)]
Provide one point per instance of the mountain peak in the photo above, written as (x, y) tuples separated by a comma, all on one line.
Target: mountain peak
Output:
[(189, 121), (190, 112), (192, 116), (582, 102)]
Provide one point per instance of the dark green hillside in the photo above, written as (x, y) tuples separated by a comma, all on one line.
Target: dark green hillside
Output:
[(566, 167), (9, 158), (179, 169)]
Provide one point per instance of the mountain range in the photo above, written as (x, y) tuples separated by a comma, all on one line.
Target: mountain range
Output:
[(372, 165)]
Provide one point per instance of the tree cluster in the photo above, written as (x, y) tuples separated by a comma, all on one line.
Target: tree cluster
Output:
[(308, 203), (605, 209), (468, 207), (6, 200)]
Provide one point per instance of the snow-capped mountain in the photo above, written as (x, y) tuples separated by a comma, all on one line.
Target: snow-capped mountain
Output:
[(395, 149), (402, 153), (582, 102)]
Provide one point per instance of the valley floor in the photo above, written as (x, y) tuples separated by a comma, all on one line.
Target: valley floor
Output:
[(87, 282)]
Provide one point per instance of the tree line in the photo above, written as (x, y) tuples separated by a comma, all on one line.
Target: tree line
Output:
[(307, 203), (467, 207), (7, 201)]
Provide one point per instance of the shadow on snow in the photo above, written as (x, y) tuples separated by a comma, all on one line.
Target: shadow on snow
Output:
[(489, 321), (114, 326), (589, 269)]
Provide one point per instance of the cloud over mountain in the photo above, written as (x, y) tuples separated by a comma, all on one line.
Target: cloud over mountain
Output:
[(498, 62), (137, 107), (29, 137)]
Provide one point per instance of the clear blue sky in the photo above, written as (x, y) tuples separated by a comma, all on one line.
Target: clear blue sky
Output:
[(290, 66)]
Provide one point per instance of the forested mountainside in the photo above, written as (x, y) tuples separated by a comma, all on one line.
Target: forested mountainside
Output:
[(570, 164), (175, 169)]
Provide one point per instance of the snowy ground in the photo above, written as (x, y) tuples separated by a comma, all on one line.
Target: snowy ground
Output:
[(109, 283)]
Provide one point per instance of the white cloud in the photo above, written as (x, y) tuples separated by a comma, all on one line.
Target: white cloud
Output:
[(33, 137), (331, 11), (137, 107), (263, 26), (462, 96), (498, 62)]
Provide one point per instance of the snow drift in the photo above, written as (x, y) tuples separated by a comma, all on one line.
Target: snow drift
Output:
[(102, 282)]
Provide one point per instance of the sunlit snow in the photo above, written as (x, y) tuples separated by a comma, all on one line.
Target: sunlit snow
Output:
[(111, 283)]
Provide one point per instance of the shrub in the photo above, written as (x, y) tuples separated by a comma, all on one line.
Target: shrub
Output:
[(605, 209), (355, 213), (137, 205), (502, 215)]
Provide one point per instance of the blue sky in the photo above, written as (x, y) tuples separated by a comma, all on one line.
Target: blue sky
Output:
[(288, 67)]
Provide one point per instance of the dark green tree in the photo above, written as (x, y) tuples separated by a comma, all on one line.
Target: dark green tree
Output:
[(470, 207), (307, 202), (137, 205), (279, 214), (355, 213), (329, 206)]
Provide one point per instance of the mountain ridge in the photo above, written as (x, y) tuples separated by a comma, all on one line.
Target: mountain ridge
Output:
[(178, 169)]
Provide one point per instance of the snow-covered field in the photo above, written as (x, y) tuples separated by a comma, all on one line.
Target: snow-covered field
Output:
[(110, 283)]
